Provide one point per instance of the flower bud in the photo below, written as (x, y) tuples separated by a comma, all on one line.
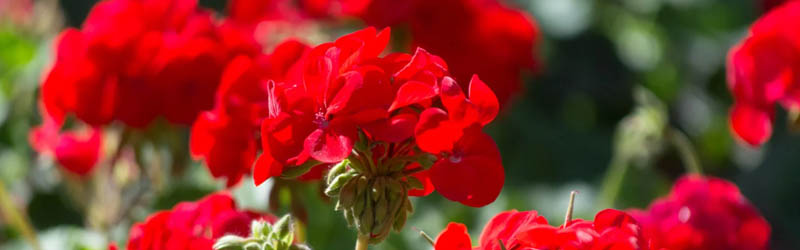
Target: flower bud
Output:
[(377, 189), (337, 182), (278, 236), (229, 242), (336, 170), (347, 194), (367, 218), (252, 246)]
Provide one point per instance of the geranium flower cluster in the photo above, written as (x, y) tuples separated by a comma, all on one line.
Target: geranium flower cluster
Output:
[(611, 229), (169, 53), (132, 61), (699, 213), (501, 40), (376, 117), (194, 225), (704, 213), (764, 70)]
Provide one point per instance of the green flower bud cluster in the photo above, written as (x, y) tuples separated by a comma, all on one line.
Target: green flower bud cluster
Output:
[(373, 197), (263, 236)]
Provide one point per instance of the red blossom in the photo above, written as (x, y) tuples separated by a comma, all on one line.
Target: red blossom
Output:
[(193, 225), (78, 151), (311, 107), (500, 41), (171, 54), (466, 154), (223, 137), (763, 71), (611, 229), (318, 118), (704, 213)]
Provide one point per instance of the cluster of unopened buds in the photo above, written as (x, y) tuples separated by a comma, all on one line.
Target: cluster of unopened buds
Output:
[(372, 190), (264, 236)]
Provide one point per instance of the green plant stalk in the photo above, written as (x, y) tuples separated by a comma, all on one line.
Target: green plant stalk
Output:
[(363, 242), (17, 218), (613, 181), (687, 153)]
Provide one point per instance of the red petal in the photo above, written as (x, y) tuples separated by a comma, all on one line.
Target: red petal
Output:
[(396, 129), (750, 124), (418, 62), (352, 82), (319, 72), (79, 153), (412, 92), (611, 218), (435, 133), (483, 99), (424, 177), (285, 135), (265, 168), (473, 173), (540, 237), (330, 145), (506, 225), (201, 139), (453, 99), (454, 237), (472, 181)]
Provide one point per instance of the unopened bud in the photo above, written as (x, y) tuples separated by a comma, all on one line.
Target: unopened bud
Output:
[(381, 209), (348, 194), (336, 170), (400, 221), (229, 242), (252, 246), (377, 188), (367, 219), (334, 185)]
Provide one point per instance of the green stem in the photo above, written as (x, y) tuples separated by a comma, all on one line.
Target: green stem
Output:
[(17, 218), (425, 236), (363, 242), (570, 208), (613, 181), (687, 153)]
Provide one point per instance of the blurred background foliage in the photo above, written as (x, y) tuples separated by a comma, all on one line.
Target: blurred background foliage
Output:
[(576, 123)]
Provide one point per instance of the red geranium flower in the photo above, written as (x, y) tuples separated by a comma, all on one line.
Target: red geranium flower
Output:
[(704, 213), (193, 225), (500, 41), (466, 154), (314, 106), (611, 229), (223, 137), (171, 54), (318, 119), (764, 70), (78, 151)]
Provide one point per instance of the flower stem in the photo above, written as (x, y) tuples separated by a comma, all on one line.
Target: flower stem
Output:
[(363, 242), (17, 218), (687, 153), (570, 208), (425, 236), (613, 181)]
